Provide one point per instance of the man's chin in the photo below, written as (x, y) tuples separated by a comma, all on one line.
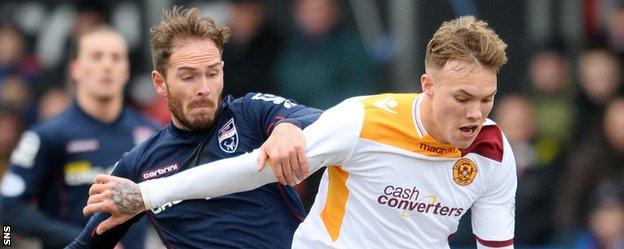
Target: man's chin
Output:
[(464, 144)]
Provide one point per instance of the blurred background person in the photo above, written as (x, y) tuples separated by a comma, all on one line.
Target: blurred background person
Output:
[(11, 126), (46, 187), (14, 56), (15, 92), (250, 54), (598, 158), (552, 96), (534, 217), (324, 61), (600, 79), (606, 219)]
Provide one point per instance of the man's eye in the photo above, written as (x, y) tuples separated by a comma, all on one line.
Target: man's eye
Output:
[(461, 100), (187, 78)]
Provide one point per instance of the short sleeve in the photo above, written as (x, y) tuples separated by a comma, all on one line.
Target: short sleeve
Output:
[(493, 214)]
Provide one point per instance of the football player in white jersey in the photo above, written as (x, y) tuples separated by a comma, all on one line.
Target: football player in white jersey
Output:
[(402, 168)]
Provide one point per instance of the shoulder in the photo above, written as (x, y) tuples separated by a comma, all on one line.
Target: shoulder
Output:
[(139, 119), (490, 142), (133, 159), (55, 125)]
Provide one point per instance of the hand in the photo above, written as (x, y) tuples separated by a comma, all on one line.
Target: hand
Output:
[(119, 197), (285, 152)]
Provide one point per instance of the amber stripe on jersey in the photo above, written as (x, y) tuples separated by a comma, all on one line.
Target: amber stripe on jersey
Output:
[(337, 194), (389, 119)]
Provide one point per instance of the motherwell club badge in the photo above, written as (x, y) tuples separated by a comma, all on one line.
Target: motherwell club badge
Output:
[(464, 171), (228, 137)]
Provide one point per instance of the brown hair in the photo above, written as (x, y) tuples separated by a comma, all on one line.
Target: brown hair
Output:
[(74, 49), (183, 24), (466, 39)]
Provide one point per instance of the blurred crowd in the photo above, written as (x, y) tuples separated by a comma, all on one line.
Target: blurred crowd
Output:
[(565, 122)]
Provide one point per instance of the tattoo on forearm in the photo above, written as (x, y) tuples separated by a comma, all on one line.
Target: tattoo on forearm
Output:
[(127, 198)]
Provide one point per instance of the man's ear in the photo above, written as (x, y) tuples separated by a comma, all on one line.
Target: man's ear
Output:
[(426, 83), (158, 80)]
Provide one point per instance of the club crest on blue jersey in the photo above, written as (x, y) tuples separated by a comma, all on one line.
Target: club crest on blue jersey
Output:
[(228, 137)]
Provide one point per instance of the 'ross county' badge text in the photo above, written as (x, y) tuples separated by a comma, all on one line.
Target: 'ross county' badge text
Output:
[(228, 137)]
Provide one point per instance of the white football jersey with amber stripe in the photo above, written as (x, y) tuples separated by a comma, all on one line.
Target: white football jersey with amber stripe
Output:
[(391, 185)]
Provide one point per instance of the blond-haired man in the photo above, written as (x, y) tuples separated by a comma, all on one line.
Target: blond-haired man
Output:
[(402, 168)]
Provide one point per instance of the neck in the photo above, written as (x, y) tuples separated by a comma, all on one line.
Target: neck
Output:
[(426, 116), (104, 110), (178, 124)]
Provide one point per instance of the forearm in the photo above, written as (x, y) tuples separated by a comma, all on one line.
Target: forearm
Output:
[(28, 220), (215, 179)]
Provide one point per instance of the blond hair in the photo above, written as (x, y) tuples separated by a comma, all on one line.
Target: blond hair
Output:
[(466, 39), (183, 24)]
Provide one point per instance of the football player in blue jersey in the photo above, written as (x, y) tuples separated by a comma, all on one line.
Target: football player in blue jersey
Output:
[(55, 161), (187, 55)]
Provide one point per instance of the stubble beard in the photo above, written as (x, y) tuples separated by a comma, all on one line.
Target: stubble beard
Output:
[(201, 122)]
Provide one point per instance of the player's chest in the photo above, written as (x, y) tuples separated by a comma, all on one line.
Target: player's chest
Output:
[(85, 154), (416, 185)]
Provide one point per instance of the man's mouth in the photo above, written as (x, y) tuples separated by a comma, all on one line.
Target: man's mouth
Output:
[(468, 130), (201, 104)]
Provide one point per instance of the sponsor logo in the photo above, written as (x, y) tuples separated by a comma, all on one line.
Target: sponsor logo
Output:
[(464, 171), (387, 104), (84, 145), (410, 202), (141, 133), (435, 149), (228, 137), (82, 172), (160, 171)]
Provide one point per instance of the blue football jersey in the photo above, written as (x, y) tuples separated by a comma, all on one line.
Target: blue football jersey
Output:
[(53, 166), (266, 217)]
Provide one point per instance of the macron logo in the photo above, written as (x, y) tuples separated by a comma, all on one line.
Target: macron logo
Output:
[(387, 104), (160, 171)]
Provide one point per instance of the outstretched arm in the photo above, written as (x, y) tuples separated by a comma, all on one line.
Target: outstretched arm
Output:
[(330, 140)]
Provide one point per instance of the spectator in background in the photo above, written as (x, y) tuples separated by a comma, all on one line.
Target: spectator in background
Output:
[(14, 57), (534, 223), (15, 92), (11, 127), (250, 54), (56, 160), (52, 102), (89, 14), (552, 95), (600, 79), (597, 157), (615, 27), (325, 61), (606, 219)]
